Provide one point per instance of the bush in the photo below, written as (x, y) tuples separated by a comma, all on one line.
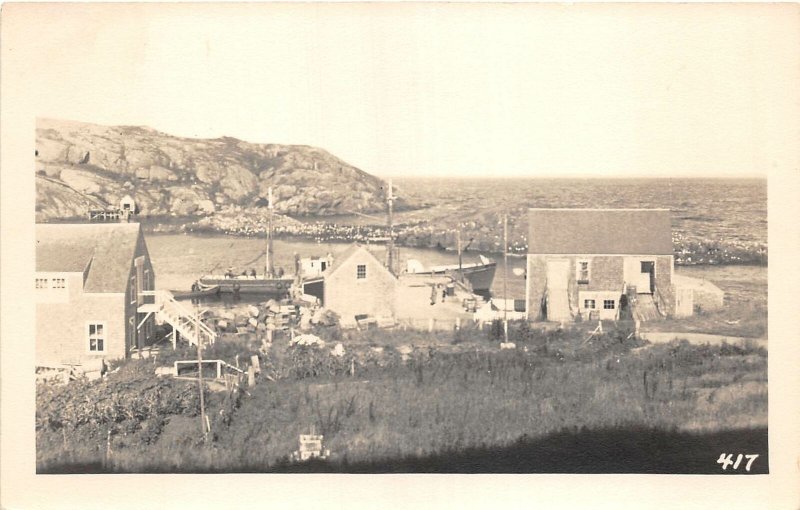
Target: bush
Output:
[(132, 396), (496, 331)]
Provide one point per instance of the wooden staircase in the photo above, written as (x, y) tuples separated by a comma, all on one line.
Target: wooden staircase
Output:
[(184, 320), (644, 308)]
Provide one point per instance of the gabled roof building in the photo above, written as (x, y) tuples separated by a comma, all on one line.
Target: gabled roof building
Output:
[(599, 264), (358, 284), (88, 284)]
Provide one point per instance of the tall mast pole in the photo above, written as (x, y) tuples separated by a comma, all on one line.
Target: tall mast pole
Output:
[(390, 255), (458, 244), (505, 277), (268, 262)]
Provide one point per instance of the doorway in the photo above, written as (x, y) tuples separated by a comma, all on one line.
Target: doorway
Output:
[(557, 295), (647, 276)]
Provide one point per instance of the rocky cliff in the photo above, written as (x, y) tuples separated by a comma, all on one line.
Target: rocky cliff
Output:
[(81, 166)]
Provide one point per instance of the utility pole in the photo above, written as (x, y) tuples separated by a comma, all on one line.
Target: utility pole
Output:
[(200, 375), (505, 277), (390, 255), (268, 263), (458, 245)]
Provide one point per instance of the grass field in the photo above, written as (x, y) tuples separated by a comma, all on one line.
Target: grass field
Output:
[(420, 402), (745, 312)]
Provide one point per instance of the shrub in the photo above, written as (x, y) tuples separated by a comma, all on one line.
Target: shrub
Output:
[(496, 331), (126, 399)]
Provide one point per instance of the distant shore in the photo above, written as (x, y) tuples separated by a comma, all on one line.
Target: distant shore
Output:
[(688, 251)]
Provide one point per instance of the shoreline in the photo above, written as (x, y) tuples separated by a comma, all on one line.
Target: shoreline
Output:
[(519, 253)]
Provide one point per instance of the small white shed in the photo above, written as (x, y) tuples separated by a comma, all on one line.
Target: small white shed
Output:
[(127, 204)]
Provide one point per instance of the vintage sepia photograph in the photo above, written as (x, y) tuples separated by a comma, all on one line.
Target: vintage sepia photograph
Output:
[(407, 238)]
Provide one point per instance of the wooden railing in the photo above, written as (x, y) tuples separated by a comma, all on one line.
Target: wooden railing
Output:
[(185, 320)]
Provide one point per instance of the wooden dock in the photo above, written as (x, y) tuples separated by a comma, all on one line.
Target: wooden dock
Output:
[(108, 214)]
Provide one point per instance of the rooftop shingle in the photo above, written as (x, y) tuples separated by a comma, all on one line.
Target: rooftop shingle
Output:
[(107, 249), (600, 231)]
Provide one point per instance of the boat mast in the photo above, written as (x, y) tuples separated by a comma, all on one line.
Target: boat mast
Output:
[(390, 254), (268, 263), (458, 244)]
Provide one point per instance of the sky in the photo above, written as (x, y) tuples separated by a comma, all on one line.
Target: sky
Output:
[(502, 90)]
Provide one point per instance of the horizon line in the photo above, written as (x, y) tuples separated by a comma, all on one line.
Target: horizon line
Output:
[(571, 176)]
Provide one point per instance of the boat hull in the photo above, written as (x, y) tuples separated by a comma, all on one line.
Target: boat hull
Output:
[(196, 294), (480, 277), (273, 286)]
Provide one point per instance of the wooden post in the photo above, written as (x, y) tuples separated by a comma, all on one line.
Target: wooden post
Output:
[(108, 448), (200, 375), (268, 262), (254, 361), (251, 376), (390, 254)]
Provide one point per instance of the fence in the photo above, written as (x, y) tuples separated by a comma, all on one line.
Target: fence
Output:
[(433, 324)]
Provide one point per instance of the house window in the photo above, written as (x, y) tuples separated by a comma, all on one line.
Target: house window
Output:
[(133, 289), (59, 283), (361, 271), (589, 303), (97, 337), (582, 271), (609, 304), (42, 283), (323, 266)]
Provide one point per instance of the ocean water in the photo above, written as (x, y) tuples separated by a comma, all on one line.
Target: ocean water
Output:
[(732, 210)]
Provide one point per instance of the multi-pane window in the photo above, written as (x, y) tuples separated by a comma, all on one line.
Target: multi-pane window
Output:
[(42, 283), (589, 303), (59, 283), (133, 289), (361, 271), (608, 304), (97, 337), (583, 271)]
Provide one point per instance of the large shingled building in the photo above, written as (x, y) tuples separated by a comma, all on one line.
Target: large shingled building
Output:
[(599, 264), (88, 284)]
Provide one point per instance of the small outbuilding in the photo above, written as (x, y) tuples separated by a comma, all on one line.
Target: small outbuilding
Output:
[(127, 206), (358, 284)]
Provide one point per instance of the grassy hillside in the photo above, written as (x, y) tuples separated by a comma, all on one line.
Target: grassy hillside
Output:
[(427, 402)]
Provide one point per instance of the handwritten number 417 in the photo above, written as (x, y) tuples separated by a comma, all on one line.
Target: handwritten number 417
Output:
[(727, 460)]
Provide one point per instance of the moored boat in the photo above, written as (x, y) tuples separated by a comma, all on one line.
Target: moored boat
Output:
[(246, 284), (271, 283), (480, 275), (197, 293)]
